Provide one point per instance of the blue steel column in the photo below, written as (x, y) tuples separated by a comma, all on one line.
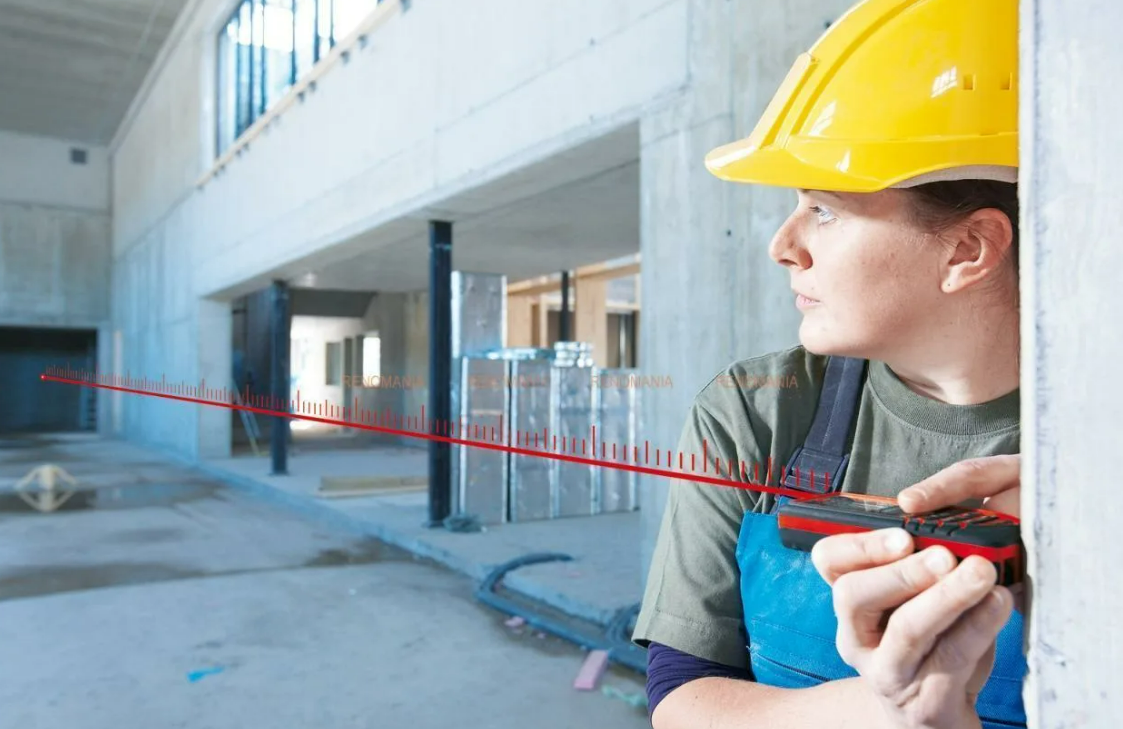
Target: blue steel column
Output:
[(440, 367), (279, 375), (563, 316)]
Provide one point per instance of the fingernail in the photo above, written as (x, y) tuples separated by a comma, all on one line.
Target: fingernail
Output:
[(897, 540), (938, 560)]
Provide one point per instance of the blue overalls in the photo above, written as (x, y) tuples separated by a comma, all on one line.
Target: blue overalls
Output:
[(788, 610)]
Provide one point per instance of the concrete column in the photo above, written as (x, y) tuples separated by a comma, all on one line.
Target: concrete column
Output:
[(704, 242), (214, 332), (1072, 397), (591, 318), (348, 372), (357, 360), (104, 366)]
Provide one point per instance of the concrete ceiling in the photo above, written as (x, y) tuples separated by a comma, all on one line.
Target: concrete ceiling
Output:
[(573, 209), (70, 68)]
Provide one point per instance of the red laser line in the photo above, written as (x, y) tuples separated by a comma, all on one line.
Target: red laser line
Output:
[(455, 441)]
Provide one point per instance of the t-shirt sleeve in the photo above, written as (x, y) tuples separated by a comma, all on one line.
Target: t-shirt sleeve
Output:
[(692, 601)]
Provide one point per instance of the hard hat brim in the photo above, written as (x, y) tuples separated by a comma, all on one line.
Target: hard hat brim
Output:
[(834, 165)]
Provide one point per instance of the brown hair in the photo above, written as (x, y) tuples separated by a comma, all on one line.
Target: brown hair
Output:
[(938, 205)]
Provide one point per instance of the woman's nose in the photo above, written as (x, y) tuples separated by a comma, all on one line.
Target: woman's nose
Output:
[(787, 249)]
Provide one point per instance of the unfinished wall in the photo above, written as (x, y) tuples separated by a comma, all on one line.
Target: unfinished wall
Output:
[(704, 242), (39, 171), (54, 234), (310, 336), (402, 322), (1071, 259), (426, 110)]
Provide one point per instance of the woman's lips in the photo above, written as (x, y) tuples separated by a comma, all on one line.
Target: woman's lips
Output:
[(802, 301)]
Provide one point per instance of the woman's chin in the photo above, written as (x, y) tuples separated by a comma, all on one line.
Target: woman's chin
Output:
[(825, 343)]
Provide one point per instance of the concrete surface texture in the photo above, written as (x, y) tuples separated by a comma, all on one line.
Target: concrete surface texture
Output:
[(705, 242), (603, 577), (1070, 260), (171, 601), (541, 138), (87, 60), (54, 233)]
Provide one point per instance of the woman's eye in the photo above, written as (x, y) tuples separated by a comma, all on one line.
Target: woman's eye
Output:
[(825, 216)]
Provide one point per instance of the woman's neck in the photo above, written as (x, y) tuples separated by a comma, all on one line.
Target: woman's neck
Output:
[(967, 364)]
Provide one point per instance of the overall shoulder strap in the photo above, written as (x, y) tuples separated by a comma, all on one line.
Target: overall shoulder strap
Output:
[(825, 451)]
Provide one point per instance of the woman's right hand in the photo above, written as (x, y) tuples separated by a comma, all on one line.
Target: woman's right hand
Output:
[(920, 630)]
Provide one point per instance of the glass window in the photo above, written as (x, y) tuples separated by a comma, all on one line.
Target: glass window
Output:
[(372, 356), (267, 46), (277, 34), (347, 14), (227, 84)]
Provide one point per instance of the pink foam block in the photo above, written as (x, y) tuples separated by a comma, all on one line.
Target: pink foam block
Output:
[(592, 670)]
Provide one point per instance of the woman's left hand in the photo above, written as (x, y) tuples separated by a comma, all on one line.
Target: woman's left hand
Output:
[(995, 479), (920, 630)]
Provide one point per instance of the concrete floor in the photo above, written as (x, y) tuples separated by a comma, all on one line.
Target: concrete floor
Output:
[(604, 576), (170, 601)]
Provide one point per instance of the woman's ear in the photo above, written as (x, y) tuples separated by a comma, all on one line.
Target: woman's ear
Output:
[(977, 248)]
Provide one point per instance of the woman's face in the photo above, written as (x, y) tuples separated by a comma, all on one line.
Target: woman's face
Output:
[(870, 276)]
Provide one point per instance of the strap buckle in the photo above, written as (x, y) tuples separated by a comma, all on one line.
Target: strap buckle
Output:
[(814, 471)]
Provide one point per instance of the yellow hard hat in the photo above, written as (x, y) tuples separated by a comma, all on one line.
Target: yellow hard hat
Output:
[(895, 94)]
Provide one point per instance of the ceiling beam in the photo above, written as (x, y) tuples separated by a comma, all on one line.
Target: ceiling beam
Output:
[(597, 272)]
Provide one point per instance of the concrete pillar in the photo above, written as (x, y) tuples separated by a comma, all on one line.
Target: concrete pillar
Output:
[(357, 362), (704, 242), (1072, 396), (348, 372), (214, 330), (591, 318)]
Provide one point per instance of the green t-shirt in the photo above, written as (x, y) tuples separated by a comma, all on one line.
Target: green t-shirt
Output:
[(762, 408)]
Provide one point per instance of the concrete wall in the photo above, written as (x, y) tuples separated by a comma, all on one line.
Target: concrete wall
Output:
[(310, 336), (704, 242), (427, 110), (54, 234), (38, 171), (55, 239), (402, 323), (1071, 260)]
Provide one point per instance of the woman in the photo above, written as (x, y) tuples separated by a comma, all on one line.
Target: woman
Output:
[(898, 130)]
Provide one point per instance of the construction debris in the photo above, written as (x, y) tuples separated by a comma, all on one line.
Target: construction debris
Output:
[(341, 487), (588, 678)]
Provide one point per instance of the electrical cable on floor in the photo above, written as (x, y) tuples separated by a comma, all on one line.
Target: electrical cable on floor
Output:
[(612, 640)]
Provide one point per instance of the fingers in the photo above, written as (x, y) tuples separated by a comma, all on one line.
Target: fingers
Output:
[(975, 478), (862, 598), (972, 636), (843, 553), (1007, 502), (913, 630)]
